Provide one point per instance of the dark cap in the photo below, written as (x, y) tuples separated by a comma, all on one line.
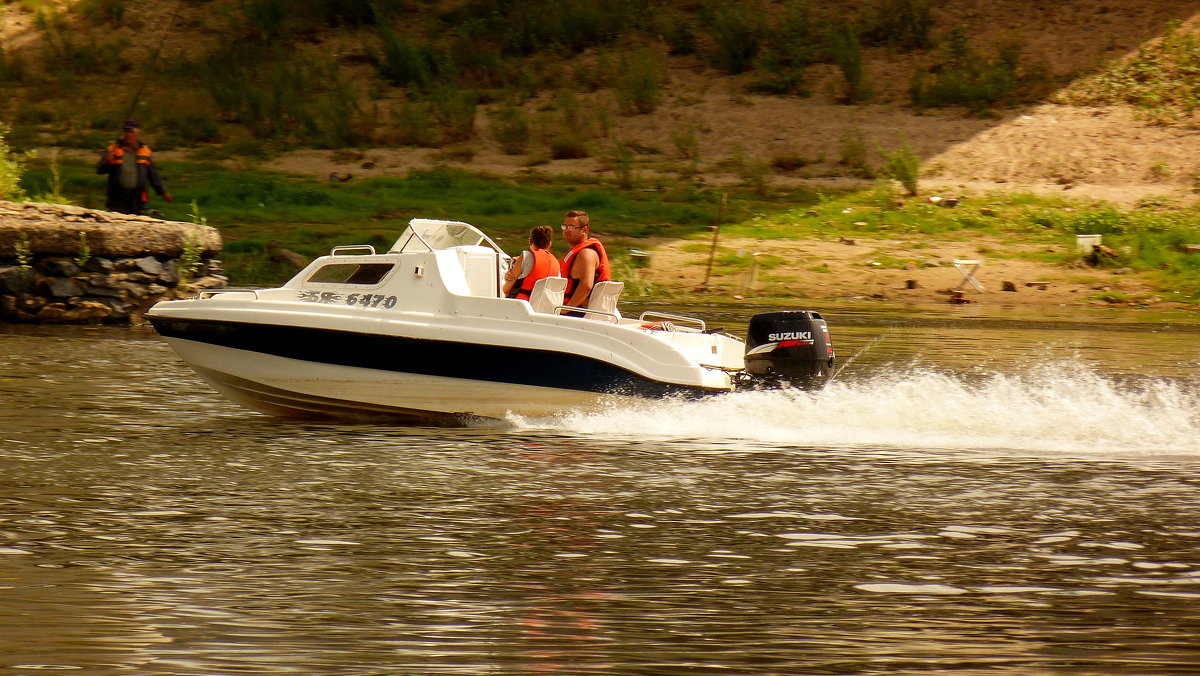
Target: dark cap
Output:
[(130, 124)]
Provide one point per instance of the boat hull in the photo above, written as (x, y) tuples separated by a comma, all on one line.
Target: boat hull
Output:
[(311, 372)]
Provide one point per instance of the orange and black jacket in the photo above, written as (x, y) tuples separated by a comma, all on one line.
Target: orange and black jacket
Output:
[(147, 172)]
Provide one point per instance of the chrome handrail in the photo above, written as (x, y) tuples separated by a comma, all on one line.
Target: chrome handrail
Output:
[(575, 308), (209, 293), (674, 317)]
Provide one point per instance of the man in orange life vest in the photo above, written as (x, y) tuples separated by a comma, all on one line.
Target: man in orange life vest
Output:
[(535, 263), (130, 166), (585, 264)]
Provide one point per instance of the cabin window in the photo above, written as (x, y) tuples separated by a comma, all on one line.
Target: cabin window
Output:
[(351, 273)]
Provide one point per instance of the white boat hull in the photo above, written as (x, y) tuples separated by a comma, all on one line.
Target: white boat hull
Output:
[(295, 388)]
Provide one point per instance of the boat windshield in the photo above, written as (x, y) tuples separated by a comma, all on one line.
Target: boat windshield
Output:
[(424, 234)]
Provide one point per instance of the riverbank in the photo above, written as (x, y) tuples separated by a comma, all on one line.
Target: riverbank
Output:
[(896, 270), (868, 242)]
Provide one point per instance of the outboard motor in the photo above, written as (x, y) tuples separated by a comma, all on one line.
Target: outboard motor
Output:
[(789, 348)]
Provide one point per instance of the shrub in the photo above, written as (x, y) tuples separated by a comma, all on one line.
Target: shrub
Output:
[(266, 18), (738, 29), (413, 124), (904, 24), (790, 46), (111, 12), (846, 48), (904, 165), (622, 158), (968, 78), (640, 75), (454, 109), (522, 27), (12, 165), (407, 65), (568, 147), (789, 161), (510, 128), (12, 68), (854, 153)]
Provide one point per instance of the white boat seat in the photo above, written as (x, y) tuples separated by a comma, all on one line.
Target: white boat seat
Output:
[(547, 294), (604, 299)]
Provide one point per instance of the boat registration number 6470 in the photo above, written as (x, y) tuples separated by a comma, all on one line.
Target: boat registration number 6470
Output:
[(371, 300), (363, 299)]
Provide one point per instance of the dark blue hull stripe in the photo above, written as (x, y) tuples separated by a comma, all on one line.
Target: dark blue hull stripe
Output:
[(447, 359)]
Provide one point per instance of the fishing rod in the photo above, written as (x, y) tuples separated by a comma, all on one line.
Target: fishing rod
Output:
[(153, 61)]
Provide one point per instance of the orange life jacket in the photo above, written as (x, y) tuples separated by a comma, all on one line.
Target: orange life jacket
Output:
[(117, 152), (544, 265), (603, 270)]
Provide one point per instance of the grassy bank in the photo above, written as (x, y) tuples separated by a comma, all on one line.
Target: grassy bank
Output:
[(252, 209)]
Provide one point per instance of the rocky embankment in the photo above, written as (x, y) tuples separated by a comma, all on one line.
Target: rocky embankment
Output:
[(69, 265)]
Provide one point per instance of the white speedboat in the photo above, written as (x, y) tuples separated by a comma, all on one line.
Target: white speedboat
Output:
[(422, 332)]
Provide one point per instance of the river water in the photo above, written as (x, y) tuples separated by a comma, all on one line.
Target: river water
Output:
[(977, 492)]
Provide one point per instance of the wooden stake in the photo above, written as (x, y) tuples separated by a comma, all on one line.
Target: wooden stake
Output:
[(712, 253)]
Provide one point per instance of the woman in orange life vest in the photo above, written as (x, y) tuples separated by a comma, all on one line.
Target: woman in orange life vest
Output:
[(536, 262), (585, 264), (130, 166)]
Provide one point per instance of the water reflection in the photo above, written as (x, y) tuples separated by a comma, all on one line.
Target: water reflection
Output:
[(939, 516)]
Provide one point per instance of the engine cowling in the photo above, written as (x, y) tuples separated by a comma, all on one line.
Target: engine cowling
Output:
[(789, 349)]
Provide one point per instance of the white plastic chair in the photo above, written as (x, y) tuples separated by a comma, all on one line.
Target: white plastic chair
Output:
[(547, 294), (604, 299)]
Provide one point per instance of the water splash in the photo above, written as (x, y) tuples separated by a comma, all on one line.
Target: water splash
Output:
[(1061, 408)]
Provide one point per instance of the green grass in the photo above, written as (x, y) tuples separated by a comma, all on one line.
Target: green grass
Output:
[(309, 216)]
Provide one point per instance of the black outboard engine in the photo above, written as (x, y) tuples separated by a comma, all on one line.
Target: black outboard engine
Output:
[(789, 348)]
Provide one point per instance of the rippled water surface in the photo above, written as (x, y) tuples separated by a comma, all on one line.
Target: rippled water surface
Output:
[(973, 494)]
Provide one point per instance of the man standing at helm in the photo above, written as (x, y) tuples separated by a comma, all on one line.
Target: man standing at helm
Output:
[(130, 166), (585, 264)]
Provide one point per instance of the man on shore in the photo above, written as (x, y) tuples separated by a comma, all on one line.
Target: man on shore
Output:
[(130, 167)]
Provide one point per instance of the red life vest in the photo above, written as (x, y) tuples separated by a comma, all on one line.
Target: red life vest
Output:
[(603, 270), (544, 265)]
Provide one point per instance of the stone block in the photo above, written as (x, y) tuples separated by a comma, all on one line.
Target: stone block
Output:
[(58, 266), (61, 287), (150, 265)]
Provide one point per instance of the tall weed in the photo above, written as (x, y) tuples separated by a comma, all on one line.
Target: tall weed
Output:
[(854, 153), (846, 48), (904, 165)]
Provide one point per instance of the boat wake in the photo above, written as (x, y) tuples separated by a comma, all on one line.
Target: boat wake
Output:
[(1062, 408)]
